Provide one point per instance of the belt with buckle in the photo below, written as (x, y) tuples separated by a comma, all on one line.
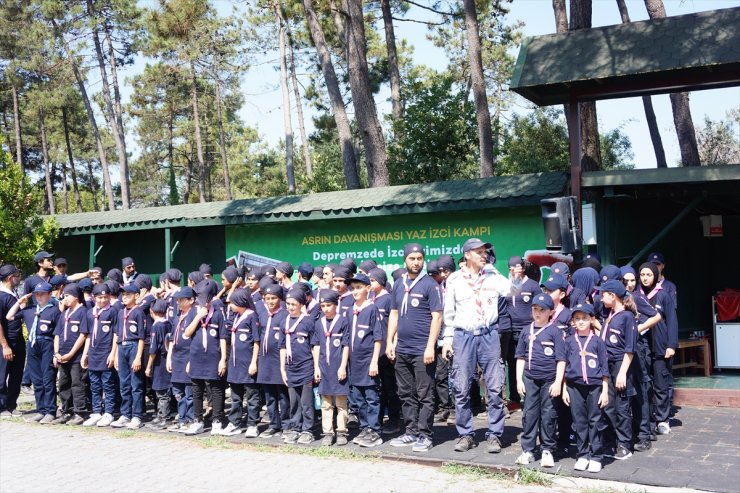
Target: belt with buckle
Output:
[(480, 331), (128, 343)]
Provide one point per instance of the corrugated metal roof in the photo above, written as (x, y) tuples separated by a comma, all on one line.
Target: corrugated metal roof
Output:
[(698, 50), (654, 176), (500, 191)]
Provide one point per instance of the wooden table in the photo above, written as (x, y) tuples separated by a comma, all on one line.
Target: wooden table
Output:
[(691, 345)]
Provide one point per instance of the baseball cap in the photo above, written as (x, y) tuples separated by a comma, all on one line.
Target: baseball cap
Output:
[(560, 268), (656, 258), (583, 307), (515, 260), (358, 278), (42, 287), (610, 272), (126, 261), (41, 256), (8, 270), (328, 296), (543, 301), (474, 243), (185, 292), (60, 261), (130, 288), (613, 286), (555, 281)]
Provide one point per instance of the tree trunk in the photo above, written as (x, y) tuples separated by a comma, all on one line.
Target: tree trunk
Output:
[(580, 18), (299, 103), (680, 105), (111, 115), (65, 190), (351, 176), (342, 34), (561, 16), (93, 187), (73, 172), (647, 102), (222, 140), (189, 178), (366, 114), (17, 125), (47, 172), (91, 117), (482, 115), (287, 124), (174, 198), (395, 75), (117, 100), (198, 138)]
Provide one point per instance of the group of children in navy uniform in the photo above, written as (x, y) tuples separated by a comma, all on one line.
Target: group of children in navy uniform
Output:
[(589, 353)]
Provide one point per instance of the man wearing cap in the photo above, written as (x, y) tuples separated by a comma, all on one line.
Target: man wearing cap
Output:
[(129, 270), (413, 327), (670, 287), (12, 342), (44, 264), (41, 320), (471, 317)]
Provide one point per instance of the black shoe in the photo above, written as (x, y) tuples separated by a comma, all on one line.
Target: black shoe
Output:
[(353, 422), (653, 437), (494, 444), (441, 417), (643, 446), (465, 443), (622, 453)]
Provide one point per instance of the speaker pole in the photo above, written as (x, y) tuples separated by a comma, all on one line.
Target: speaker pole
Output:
[(574, 137)]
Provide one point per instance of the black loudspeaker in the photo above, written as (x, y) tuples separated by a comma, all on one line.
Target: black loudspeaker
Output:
[(560, 219)]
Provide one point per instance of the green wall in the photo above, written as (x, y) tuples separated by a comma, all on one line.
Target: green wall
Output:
[(511, 230)]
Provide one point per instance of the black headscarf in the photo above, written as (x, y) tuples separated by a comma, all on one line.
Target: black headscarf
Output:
[(656, 276)]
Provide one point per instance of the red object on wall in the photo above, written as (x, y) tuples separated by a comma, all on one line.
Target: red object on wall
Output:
[(728, 305)]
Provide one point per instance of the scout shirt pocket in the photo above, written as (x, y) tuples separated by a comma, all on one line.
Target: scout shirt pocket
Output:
[(301, 337), (74, 326), (362, 331), (548, 347), (415, 299), (105, 325), (615, 335), (242, 335), (44, 325), (336, 339)]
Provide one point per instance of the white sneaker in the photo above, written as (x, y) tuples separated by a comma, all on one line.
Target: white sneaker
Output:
[(594, 466), (92, 420), (581, 464), (524, 459), (184, 427), (547, 460), (135, 424), (120, 422), (252, 432), (105, 420), (230, 430), (664, 428), (195, 428), (217, 429)]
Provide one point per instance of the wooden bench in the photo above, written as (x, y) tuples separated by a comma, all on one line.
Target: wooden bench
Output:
[(691, 345)]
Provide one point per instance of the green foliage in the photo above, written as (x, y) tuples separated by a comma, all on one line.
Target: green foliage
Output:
[(719, 141), (437, 139), (538, 141), (22, 231)]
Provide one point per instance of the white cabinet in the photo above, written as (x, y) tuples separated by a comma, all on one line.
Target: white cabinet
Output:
[(726, 342)]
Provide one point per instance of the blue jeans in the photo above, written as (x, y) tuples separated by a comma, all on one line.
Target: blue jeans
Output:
[(367, 399), (43, 374), (104, 383), (278, 405), (183, 393), (471, 351), (132, 383)]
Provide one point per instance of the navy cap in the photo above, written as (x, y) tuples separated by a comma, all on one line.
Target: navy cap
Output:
[(396, 274), (544, 301), (274, 289), (115, 275), (583, 307), (185, 292), (446, 262), (378, 275), (516, 260), (205, 269), (349, 263), (656, 258), (160, 307), (432, 268), (85, 285), (560, 268), (58, 280), (130, 288), (231, 274), (143, 281), (593, 256), (303, 286), (8, 270), (318, 271), (266, 281), (474, 243), (367, 265), (609, 273), (256, 273), (114, 287), (42, 287), (205, 291), (41, 256), (126, 261), (100, 289), (73, 289), (174, 275), (285, 267), (358, 278), (342, 272), (241, 297), (556, 281), (297, 295), (269, 270), (60, 261), (305, 270), (328, 296), (613, 286), (410, 248)]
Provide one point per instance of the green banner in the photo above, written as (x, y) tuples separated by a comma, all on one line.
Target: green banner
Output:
[(512, 231)]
